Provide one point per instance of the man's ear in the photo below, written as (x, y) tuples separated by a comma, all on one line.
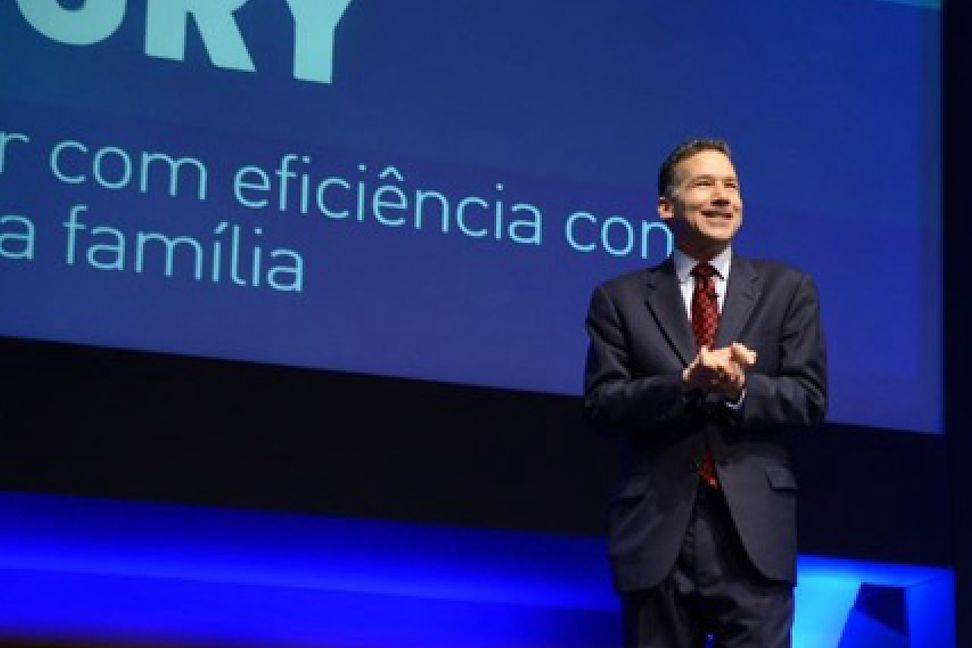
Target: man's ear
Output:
[(666, 210)]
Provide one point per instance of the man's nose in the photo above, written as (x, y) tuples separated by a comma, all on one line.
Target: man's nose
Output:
[(720, 196)]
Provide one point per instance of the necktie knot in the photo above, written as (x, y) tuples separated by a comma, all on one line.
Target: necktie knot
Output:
[(703, 271)]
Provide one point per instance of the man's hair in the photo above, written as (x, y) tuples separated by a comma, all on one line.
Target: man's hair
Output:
[(688, 148)]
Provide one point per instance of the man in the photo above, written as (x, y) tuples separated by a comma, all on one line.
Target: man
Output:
[(696, 366)]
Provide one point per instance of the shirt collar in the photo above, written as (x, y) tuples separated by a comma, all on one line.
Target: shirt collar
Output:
[(684, 264)]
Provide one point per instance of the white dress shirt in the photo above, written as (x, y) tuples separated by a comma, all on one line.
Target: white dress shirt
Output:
[(683, 269)]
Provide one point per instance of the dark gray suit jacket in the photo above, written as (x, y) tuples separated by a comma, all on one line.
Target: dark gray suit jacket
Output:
[(640, 340)]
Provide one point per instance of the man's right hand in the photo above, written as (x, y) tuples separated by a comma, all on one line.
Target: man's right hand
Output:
[(721, 371)]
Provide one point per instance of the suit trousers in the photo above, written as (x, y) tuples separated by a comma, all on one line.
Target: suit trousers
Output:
[(714, 596)]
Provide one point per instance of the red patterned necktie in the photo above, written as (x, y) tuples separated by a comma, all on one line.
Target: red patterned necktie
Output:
[(705, 321)]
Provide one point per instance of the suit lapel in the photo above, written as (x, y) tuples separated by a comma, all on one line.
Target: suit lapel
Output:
[(667, 306), (742, 291)]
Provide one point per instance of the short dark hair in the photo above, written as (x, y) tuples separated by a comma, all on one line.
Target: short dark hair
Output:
[(688, 148)]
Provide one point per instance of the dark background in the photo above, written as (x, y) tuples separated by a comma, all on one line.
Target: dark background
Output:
[(957, 143), (125, 424)]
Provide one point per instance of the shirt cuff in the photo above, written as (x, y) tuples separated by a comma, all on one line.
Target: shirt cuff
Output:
[(739, 402)]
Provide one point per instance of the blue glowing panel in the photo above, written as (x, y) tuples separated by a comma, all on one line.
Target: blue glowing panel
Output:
[(91, 570), (879, 618), (431, 189)]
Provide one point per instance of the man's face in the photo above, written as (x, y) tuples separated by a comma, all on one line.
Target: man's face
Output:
[(705, 208)]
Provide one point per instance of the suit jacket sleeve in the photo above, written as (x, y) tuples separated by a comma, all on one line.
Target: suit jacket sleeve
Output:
[(614, 400), (794, 392)]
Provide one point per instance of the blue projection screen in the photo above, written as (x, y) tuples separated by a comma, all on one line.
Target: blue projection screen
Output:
[(431, 189)]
